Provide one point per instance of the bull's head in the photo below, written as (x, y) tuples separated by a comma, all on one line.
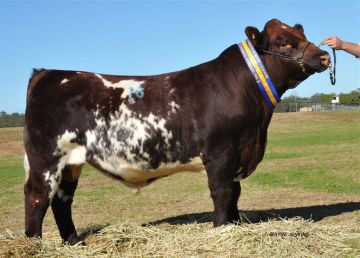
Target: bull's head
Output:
[(289, 48)]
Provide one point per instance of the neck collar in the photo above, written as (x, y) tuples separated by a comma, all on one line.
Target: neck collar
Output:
[(259, 73)]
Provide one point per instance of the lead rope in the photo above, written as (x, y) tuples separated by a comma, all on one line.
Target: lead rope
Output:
[(332, 70)]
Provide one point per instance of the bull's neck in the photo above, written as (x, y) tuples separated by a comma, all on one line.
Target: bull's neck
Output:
[(232, 63), (278, 74), (243, 86), (274, 66)]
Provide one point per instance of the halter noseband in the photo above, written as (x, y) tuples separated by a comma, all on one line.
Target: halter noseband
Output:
[(297, 58)]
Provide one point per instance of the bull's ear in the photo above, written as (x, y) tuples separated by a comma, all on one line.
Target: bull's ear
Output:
[(299, 27), (254, 35)]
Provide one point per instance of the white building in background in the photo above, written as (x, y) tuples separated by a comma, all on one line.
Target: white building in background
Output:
[(335, 100)]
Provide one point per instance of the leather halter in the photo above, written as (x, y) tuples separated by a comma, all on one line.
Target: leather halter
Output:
[(297, 58)]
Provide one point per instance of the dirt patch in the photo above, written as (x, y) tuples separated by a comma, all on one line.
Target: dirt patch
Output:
[(11, 141), (11, 149), (11, 134)]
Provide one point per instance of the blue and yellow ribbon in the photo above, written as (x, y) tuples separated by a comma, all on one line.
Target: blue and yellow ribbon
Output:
[(259, 72)]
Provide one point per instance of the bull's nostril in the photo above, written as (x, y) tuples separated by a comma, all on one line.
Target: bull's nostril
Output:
[(325, 60)]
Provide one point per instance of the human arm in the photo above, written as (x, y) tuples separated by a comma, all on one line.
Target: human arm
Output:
[(338, 44)]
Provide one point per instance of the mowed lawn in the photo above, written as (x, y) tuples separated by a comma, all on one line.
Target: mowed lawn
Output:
[(311, 170)]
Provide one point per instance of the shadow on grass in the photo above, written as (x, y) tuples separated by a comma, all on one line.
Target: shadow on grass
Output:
[(91, 230), (315, 213)]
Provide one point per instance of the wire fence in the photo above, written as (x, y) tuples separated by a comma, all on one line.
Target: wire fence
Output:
[(313, 107)]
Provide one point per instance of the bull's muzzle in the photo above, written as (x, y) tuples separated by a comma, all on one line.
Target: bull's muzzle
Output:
[(325, 60)]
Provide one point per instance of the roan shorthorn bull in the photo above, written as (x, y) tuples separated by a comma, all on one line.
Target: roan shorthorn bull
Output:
[(212, 117)]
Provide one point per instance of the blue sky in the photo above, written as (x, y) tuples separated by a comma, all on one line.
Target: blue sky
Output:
[(152, 37)]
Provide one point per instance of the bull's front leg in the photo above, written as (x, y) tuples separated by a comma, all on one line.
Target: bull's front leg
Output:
[(233, 209), (224, 191)]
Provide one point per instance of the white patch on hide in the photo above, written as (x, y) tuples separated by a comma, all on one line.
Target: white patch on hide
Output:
[(55, 180), (174, 106), (137, 131), (159, 124), (70, 153), (62, 196), (123, 84), (64, 81), (26, 167), (238, 175), (238, 178), (73, 153), (47, 176), (77, 156), (135, 177), (64, 141), (114, 142)]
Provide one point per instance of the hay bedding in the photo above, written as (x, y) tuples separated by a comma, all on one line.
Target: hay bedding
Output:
[(277, 238)]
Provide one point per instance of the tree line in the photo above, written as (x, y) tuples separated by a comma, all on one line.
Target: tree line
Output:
[(11, 120), (352, 99)]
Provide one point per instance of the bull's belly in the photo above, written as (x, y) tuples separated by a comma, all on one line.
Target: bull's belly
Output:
[(134, 176)]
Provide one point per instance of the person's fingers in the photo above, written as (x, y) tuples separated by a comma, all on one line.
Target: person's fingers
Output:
[(332, 41), (329, 42), (325, 42), (330, 37)]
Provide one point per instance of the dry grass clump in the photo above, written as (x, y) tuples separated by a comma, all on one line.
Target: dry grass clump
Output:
[(277, 238)]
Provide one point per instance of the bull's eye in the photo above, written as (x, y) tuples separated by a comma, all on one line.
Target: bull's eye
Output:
[(286, 45)]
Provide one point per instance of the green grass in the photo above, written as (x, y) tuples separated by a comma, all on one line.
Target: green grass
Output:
[(314, 179), (307, 133), (316, 155), (12, 178), (11, 172)]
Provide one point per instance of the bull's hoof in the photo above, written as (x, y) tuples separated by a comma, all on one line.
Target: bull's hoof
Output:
[(31, 234), (235, 218), (74, 239)]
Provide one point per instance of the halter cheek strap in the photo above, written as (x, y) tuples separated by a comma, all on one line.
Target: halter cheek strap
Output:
[(297, 58)]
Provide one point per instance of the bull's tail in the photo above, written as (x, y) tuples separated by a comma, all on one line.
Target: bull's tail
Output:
[(36, 71), (36, 75)]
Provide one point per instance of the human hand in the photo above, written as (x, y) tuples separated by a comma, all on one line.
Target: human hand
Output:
[(334, 42)]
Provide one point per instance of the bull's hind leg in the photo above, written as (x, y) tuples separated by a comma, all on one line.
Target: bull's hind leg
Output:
[(61, 203), (41, 181)]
